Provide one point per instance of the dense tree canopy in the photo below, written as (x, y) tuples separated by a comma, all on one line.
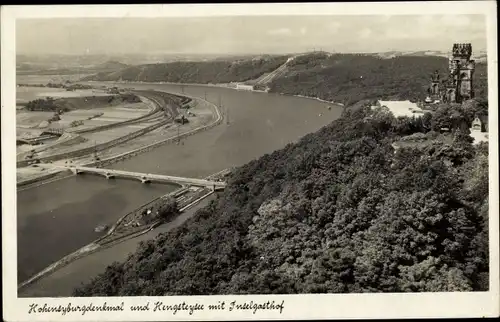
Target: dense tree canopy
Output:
[(48, 104), (85, 102), (340, 211)]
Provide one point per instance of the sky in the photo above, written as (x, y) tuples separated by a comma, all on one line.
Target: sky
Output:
[(248, 34)]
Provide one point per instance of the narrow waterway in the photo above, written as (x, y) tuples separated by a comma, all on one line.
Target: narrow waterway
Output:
[(60, 217)]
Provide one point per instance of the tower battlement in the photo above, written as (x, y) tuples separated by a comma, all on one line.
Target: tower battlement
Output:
[(459, 85), (462, 50)]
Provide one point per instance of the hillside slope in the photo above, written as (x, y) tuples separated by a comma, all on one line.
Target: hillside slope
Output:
[(33, 69), (337, 212), (348, 78), (220, 71), (344, 78)]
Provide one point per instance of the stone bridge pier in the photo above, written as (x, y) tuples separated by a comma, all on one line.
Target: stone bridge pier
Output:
[(109, 175), (145, 179), (75, 171)]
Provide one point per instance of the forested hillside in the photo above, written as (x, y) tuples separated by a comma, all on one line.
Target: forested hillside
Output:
[(344, 78), (218, 71), (347, 78), (341, 211)]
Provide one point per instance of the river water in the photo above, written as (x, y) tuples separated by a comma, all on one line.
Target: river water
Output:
[(58, 218)]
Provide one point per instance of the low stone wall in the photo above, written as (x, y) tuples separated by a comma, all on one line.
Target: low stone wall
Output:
[(88, 249)]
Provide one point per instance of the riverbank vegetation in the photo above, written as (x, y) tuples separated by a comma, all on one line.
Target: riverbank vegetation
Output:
[(347, 209)]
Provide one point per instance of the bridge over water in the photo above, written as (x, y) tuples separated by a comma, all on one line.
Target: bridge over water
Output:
[(143, 177)]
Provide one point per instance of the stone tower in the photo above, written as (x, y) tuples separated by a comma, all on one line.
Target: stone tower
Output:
[(435, 89), (459, 86)]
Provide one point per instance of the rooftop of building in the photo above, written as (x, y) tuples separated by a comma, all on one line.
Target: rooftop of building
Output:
[(479, 137), (402, 108)]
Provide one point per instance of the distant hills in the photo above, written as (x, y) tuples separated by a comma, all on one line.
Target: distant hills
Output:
[(43, 69), (343, 78), (111, 65), (71, 64), (479, 56), (215, 71)]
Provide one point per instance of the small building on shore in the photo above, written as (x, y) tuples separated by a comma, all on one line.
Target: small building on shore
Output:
[(244, 87)]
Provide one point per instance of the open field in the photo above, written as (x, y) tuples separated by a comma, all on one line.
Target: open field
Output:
[(204, 115), (31, 119)]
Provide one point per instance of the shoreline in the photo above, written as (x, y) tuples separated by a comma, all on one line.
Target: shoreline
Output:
[(175, 89), (95, 246), (88, 248), (220, 85), (48, 178)]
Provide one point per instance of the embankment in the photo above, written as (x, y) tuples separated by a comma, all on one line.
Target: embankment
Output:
[(110, 160)]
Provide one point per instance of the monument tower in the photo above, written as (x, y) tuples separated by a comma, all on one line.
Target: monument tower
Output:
[(436, 89), (459, 86)]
